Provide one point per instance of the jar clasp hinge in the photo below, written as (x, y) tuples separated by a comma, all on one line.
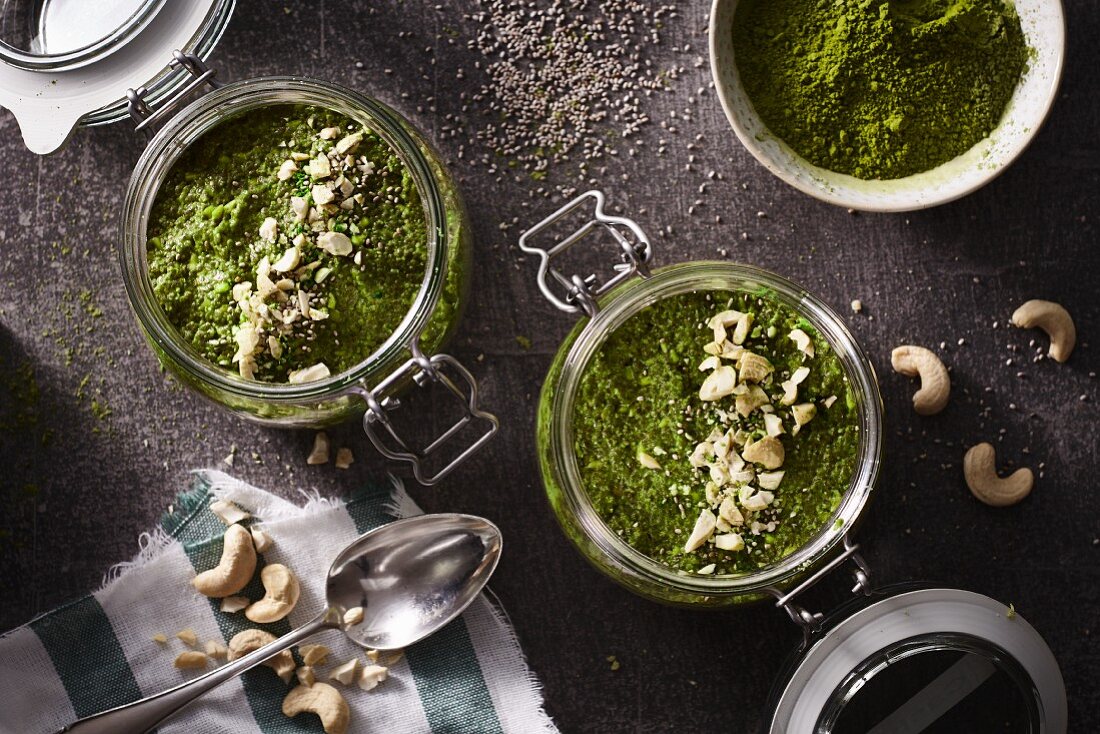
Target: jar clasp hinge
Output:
[(580, 294), (424, 371), (201, 74), (810, 622)]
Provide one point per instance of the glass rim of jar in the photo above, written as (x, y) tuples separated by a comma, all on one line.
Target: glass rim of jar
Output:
[(630, 298), (199, 118)]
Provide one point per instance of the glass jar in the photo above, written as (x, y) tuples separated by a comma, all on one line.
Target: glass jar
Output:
[(367, 386), (66, 65), (899, 657), (608, 309)]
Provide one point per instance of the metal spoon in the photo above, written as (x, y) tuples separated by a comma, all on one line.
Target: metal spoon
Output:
[(411, 577)]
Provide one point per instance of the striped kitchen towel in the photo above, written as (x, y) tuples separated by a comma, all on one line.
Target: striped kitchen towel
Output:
[(98, 652)]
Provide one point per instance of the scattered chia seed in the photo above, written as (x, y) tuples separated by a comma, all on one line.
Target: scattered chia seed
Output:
[(566, 81)]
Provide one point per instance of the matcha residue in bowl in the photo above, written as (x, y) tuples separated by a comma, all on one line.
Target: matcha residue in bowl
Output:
[(287, 244), (716, 432), (879, 89)]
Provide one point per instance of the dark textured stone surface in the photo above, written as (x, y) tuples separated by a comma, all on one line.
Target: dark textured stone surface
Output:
[(76, 503)]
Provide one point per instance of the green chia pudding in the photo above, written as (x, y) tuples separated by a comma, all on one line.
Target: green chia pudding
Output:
[(716, 432), (287, 244)]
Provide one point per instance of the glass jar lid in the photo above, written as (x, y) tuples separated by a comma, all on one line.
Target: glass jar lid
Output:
[(926, 660), (70, 62)]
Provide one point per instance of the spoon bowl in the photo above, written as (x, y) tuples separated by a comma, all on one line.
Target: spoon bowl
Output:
[(412, 576)]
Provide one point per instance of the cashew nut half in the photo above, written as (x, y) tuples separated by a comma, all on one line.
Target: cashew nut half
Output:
[(980, 471), (1054, 320), (235, 569), (246, 641), (281, 594), (323, 700), (935, 384)]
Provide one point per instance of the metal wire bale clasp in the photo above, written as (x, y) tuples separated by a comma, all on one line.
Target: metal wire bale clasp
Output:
[(809, 621), (425, 371), (580, 294), (200, 73)]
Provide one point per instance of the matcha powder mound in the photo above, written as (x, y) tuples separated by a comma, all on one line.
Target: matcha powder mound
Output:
[(879, 89)]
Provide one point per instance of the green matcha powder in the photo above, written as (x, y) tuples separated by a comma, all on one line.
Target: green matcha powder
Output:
[(879, 89)]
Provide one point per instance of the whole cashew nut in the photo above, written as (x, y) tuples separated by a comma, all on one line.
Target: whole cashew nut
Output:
[(246, 641), (323, 700), (235, 569), (980, 471), (1054, 320), (281, 594), (935, 384)]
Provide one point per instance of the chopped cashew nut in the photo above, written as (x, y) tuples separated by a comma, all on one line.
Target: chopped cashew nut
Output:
[(246, 641), (306, 675), (216, 649), (803, 413), (345, 673), (741, 332), (754, 368), (371, 675), (281, 592), (773, 424), (228, 512), (319, 454), (187, 637), (790, 387), (335, 243), (191, 660), (770, 480), (231, 604), (234, 571), (704, 528), (312, 373), (647, 461), (718, 384), (935, 384), (160, 639), (710, 363), (729, 542), (803, 341), (749, 401), (289, 261), (980, 471), (1054, 320), (261, 541), (323, 700), (287, 170), (353, 616), (344, 458), (314, 654), (768, 452)]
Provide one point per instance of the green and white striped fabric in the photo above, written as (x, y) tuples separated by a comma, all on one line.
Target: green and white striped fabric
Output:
[(98, 652)]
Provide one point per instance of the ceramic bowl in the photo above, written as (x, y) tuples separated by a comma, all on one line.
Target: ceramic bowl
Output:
[(1043, 24)]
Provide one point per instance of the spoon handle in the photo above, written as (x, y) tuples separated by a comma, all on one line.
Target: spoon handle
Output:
[(144, 714)]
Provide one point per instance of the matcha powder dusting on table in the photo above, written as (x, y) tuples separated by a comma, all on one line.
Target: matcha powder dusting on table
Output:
[(879, 89)]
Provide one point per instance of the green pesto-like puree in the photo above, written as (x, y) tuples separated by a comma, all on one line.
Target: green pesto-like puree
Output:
[(287, 243), (653, 454)]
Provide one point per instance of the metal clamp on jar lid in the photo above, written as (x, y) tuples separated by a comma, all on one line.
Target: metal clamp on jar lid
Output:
[(425, 371), (581, 293)]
